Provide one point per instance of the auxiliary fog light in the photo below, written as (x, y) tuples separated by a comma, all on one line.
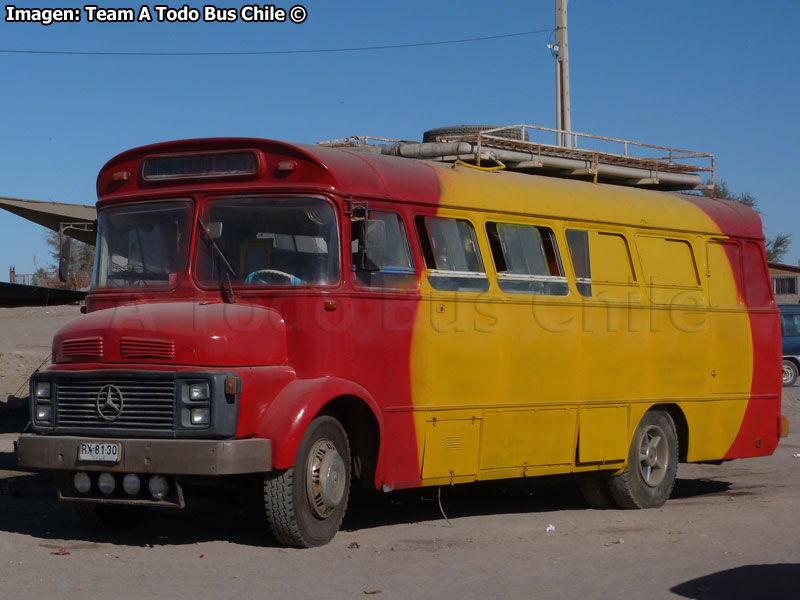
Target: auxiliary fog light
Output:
[(82, 482), (199, 391), (131, 484), (106, 483), (42, 389), (200, 416), (159, 486), (44, 412)]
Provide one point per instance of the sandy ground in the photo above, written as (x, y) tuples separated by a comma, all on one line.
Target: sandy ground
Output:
[(730, 531), (25, 337)]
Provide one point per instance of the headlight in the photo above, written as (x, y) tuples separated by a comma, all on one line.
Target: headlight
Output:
[(42, 389), (200, 416), (199, 391), (44, 412)]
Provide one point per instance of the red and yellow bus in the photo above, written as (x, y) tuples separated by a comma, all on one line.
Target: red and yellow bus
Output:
[(313, 315)]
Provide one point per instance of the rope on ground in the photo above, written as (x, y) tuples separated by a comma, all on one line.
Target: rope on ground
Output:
[(442, 509)]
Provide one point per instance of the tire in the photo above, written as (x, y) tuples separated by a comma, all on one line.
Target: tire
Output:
[(511, 134), (305, 504), (789, 373), (108, 518), (648, 478), (596, 492)]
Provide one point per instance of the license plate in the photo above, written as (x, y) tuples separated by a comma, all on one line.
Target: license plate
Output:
[(100, 452)]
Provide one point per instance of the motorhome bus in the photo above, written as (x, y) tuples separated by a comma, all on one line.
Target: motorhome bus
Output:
[(316, 316)]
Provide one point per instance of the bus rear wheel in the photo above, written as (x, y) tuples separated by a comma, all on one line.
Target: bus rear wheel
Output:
[(305, 504), (648, 478)]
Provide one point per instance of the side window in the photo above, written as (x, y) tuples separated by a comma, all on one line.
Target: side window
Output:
[(603, 264), (670, 270), (388, 261), (578, 242), (452, 256), (526, 259), (758, 289), (668, 262), (724, 269)]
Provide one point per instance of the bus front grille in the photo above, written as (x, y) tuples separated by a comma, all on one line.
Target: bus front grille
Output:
[(119, 405)]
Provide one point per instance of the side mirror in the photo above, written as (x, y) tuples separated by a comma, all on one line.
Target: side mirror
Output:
[(376, 245), (64, 257), (359, 213)]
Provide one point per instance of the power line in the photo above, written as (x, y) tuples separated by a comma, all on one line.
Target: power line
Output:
[(267, 52)]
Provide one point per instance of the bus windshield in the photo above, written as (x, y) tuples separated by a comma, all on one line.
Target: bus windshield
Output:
[(269, 241), (142, 245)]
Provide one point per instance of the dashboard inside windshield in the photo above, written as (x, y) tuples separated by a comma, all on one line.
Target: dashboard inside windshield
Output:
[(269, 241)]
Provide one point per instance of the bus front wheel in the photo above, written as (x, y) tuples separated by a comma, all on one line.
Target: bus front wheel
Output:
[(305, 504), (648, 478)]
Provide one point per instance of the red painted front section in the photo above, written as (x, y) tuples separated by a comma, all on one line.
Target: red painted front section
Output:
[(203, 334), (293, 353)]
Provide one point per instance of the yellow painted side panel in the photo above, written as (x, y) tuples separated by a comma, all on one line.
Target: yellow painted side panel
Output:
[(731, 346), (451, 448), (712, 426), (730, 325), (528, 438), (501, 354), (603, 434)]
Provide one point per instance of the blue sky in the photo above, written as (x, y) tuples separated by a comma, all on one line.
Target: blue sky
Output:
[(714, 76)]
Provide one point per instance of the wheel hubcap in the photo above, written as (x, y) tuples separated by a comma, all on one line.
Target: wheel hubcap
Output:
[(326, 478), (787, 374), (653, 455)]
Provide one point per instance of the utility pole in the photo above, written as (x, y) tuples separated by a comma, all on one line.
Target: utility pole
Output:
[(561, 53)]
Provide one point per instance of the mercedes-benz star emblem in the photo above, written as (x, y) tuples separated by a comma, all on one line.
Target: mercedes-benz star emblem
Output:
[(109, 402)]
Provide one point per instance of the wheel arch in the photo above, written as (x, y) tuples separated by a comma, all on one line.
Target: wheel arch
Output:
[(364, 433), (288, 416), (681, 427)]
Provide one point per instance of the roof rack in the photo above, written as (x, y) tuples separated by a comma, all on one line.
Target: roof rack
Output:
[(513, 148)]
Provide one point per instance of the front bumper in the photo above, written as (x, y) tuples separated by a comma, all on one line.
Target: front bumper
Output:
[(168, 457)]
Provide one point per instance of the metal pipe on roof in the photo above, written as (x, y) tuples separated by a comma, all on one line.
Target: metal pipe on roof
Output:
[(429, 149), (569, 166)]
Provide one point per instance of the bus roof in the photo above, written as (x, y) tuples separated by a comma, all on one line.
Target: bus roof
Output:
[(371, 175)]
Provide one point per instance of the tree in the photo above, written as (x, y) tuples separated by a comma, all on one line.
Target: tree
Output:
[(41, 277), (778, 246)]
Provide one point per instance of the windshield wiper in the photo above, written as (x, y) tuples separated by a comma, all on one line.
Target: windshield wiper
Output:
[(229, 270)]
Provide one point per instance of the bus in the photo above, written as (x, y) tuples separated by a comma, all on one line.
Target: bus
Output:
[(320, 318)]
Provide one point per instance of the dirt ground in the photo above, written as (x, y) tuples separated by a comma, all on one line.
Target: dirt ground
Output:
[(730, 531), (25, 338)]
